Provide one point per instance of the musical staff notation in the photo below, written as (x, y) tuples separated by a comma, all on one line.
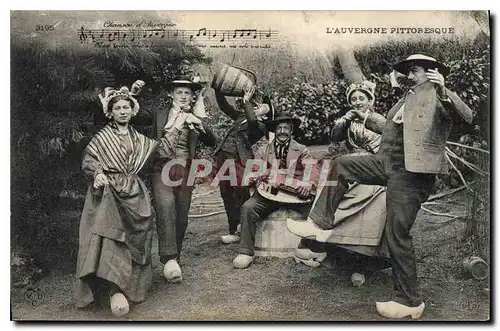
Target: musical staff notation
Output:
[(200, 35)]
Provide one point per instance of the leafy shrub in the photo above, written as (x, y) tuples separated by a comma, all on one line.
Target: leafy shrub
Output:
[(55, 111), (319, 104)]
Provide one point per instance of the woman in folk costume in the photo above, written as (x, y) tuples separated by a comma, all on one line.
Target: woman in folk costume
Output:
[(116, 226), (360, 218)]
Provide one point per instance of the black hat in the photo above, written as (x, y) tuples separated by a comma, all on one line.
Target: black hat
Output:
[(183, 80), (421, 60), (283, 116)]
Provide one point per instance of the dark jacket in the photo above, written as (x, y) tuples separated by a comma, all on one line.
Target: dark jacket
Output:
[(248, 133)]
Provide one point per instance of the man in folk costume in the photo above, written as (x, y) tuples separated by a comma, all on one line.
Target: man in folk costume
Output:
[(179, 127), (248, 128), (412, 152), (282, 155)]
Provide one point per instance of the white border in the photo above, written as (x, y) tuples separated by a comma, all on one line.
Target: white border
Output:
[(192, 5)]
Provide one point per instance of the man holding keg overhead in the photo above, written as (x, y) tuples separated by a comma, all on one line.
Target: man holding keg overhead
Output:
[(178, 127), (289, 180), (412, 152), (248, 128)]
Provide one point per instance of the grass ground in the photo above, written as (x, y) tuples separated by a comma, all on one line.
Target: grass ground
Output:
[(276, 289)]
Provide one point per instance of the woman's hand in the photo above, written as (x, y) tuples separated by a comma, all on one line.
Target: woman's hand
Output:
[(360, 114), (194, 123), (100, 180), (350, 115)]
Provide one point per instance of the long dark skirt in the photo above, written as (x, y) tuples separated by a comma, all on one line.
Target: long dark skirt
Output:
[(115, 240)]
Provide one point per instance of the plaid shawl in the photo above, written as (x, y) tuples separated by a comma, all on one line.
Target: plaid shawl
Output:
[(106, 146)]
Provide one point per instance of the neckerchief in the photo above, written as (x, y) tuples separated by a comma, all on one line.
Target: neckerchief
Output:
[(281, 152)]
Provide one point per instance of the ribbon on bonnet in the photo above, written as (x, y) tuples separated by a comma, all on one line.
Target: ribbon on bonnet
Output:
[(110, 93), (365, 86)]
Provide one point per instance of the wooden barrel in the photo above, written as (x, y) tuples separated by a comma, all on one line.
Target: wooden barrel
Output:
[(476, 267), (272, 237), (232, 81)]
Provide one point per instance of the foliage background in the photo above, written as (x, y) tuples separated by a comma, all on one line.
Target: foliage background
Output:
[(55, 82)]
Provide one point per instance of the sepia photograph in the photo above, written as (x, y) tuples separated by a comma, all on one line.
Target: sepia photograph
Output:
[(250, 166)]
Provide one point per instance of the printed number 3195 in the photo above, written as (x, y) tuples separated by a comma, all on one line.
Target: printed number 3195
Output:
[(44, 28)]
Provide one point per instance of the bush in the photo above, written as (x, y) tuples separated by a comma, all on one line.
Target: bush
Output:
[(318, 104), (54, 101), (56, 110)]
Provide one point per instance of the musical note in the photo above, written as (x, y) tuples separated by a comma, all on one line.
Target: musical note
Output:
[(210, 36), (83, 36), (199, 31), (114, 35), (249, 31), (243, 33)]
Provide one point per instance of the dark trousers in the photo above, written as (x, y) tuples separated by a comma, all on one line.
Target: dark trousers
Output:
[(406, 191), (234, 196), (254, 210), (172, 205)]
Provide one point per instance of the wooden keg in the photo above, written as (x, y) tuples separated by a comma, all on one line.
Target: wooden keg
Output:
[(272, 237), (233, 81)]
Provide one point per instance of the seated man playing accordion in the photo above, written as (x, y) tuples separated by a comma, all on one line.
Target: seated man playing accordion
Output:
[(290, 180)]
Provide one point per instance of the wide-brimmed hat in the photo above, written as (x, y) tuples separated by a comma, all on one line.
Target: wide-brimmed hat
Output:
[(365, 86), (283, 116), (184, 80), (421, 60)]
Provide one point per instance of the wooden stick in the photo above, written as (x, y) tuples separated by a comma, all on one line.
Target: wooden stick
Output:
[(444, 221), (469, 147), (200, 203), (458, 172), (443, 194), (471, 166), (437, 213), (433, 203), (207, 215)]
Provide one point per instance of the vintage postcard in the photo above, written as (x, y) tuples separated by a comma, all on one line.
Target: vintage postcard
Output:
[(250, 165)]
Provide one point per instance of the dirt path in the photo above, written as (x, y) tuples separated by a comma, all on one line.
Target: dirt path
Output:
[(276, 289)]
